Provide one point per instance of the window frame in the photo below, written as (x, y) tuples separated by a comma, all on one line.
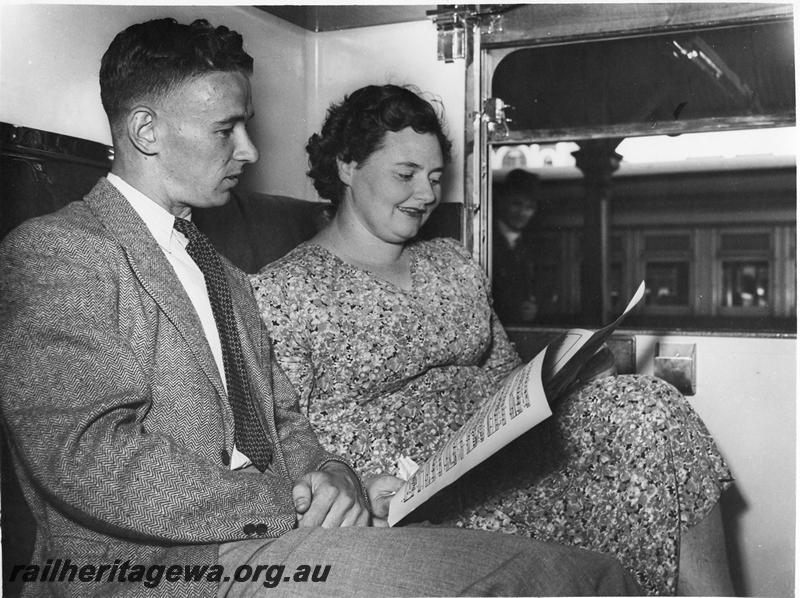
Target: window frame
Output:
[(591, 26)]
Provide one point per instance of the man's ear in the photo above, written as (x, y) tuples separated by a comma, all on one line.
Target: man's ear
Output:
[(346, 170), (141, 129)]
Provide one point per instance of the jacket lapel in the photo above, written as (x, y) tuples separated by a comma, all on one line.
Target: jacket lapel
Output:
[(154, 272)]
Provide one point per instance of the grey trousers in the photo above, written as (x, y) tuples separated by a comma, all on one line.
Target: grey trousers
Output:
[(416, 561)]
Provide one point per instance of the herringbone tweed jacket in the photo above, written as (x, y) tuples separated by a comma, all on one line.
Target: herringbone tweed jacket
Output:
[(116, 412)]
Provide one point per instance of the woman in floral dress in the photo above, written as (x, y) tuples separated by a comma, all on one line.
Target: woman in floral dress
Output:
[(392, 344)]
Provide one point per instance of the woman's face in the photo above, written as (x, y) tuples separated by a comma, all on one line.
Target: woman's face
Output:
[(393, 192)]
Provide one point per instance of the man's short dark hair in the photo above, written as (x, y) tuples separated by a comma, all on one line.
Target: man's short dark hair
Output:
[(148, 60), (522, 182)]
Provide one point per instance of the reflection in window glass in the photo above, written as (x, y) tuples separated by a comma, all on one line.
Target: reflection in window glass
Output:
[(667, 283), (514, 159), (616, 286), (745, 284), (667, 243), (650, 81), (744, 242), (673, 223), (547, 288)]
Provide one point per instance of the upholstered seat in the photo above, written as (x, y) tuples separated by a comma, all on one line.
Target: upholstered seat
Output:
[(254, 229)]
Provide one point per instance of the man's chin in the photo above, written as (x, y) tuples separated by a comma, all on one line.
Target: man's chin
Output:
[(220, 199)]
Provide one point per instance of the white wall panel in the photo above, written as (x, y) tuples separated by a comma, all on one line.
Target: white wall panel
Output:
[(50, 60), (746, 395)]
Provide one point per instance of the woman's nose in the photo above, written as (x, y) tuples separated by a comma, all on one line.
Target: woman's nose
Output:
[(427, 191)]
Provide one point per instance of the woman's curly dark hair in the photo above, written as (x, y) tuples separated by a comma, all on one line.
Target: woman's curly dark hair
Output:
[(356, 127)]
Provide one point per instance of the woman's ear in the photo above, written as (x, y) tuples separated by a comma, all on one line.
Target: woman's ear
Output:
[(141, 129), (346, 170)]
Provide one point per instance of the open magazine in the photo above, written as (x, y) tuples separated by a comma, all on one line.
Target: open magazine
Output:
[(522, 402)]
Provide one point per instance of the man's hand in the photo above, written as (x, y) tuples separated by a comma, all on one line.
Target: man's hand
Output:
[(330, 498), (381, 489)]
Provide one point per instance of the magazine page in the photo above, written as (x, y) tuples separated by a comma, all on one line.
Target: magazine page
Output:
[(561, 350), (565, 357), (519, 405)]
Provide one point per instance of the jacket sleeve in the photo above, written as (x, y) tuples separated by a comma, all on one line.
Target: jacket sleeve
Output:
[(77, 404)]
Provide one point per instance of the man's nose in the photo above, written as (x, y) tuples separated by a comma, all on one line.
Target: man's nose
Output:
[(246, 150)]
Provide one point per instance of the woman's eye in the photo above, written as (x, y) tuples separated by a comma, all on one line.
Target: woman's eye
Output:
[(406, 176), (436, 182)]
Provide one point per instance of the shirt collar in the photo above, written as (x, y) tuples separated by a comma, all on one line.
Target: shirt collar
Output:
[(158, 220), (512, 236)]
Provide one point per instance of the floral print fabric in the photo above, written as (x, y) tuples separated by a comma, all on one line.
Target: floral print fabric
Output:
[(622, 466)]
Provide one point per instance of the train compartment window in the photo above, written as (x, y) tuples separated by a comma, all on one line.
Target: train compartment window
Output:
[(667, 284), (716, 248), (745, 260), (617, 280), (650, 167), (667, 272), (745, 284)]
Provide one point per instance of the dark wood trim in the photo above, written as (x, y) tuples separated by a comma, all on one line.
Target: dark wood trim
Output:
[(27, 143)]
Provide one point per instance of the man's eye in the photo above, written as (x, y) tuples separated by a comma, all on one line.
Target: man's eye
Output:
[(436, 182), (225, 132)]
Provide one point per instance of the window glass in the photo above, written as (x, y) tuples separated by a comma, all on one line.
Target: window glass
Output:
[(732, 243), (679, 147), (653, 81), (713, 238), (667, 283), (745, 284)]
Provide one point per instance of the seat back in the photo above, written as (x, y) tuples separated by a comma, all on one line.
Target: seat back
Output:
[(254, 229)]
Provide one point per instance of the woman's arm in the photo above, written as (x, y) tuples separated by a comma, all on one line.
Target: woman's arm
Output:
[(501, 357)]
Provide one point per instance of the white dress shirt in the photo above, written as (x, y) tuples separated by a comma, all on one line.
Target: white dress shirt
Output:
[(160, 224), (511, 235)]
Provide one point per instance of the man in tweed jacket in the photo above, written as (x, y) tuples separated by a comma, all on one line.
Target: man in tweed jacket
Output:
[(114, 396)]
